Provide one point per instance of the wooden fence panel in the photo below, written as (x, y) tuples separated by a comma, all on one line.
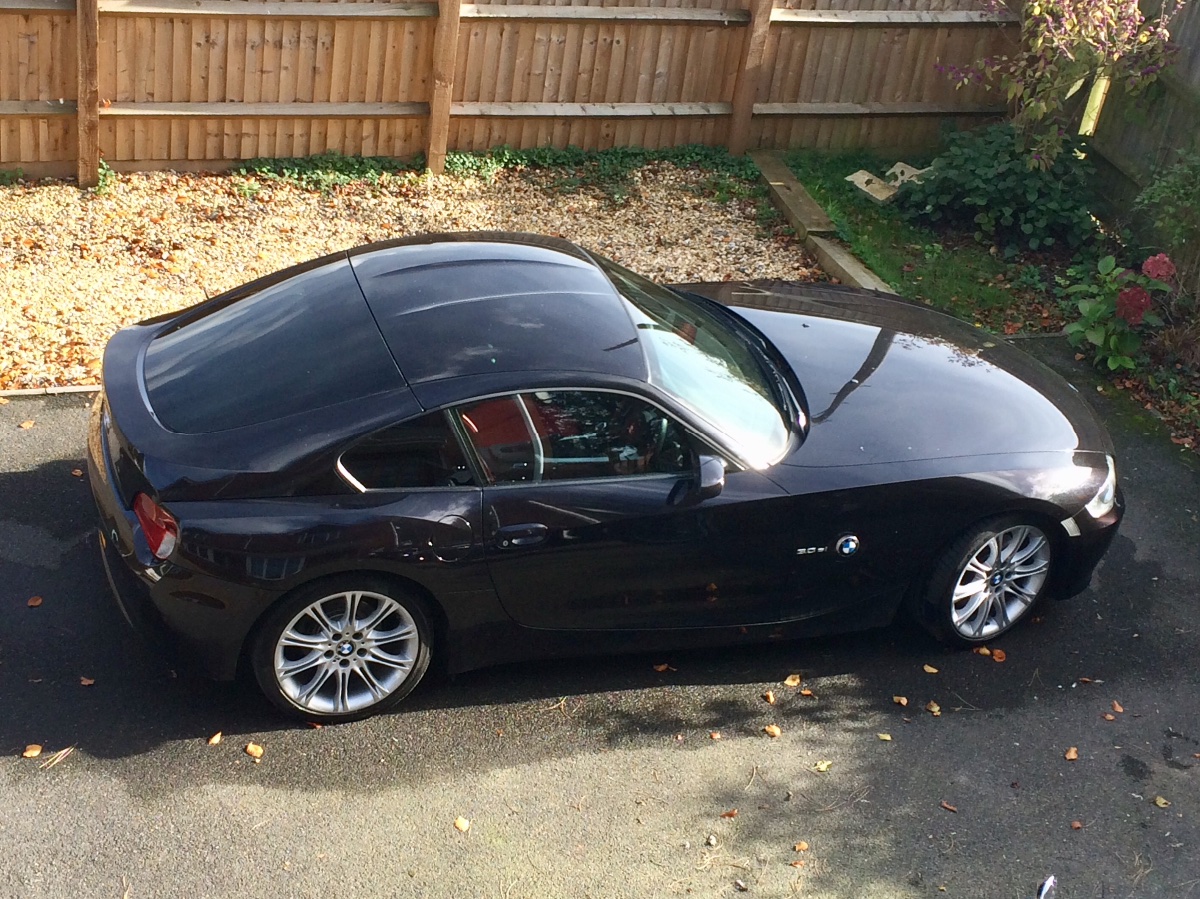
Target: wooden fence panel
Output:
[(190, 82), (37, 65)]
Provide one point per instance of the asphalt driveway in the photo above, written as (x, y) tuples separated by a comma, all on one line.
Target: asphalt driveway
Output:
[(601, 777)]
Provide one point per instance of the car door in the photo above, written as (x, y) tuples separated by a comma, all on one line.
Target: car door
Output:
[(593, 518)]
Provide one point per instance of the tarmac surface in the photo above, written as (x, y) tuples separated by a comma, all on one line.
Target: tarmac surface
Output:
[(599, 777)]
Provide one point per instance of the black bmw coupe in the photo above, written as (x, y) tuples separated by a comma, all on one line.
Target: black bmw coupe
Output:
[(485, 447)]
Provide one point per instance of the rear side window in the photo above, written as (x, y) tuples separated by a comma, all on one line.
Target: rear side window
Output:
[(422, 452), (299, 344)]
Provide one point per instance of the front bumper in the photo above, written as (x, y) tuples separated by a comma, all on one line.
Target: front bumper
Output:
[(1083, 552)]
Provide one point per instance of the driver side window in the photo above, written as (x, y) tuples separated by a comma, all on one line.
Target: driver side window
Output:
[(570, 434)]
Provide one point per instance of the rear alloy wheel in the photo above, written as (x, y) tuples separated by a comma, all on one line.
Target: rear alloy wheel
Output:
[(987, 581), (341, 651)]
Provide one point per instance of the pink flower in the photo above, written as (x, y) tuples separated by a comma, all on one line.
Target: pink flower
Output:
[(1159, 267), (1132, 303)]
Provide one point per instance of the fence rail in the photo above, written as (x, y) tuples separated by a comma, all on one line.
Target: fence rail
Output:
[(156, 83)]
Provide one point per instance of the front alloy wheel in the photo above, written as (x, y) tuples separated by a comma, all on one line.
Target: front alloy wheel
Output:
[(342, 651), (987, 581)]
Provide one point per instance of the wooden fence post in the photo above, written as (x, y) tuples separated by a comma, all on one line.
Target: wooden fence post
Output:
[(445, 55), (87, 40), (746, 89)]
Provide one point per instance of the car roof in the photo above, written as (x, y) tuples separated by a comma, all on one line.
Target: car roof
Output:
[(460, 305)]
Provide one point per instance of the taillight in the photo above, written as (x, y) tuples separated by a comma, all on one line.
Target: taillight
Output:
[(161, 530)]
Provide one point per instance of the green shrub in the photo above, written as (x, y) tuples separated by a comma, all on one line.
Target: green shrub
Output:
[(1114, 305), (325, 171), (1171, 202), (983, 180)]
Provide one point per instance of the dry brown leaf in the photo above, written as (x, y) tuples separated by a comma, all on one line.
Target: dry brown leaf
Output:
[(792, 680), (86, 681), (33, 602), (802, 846), (1085, 680), (933, 708), (822, 766), (929, 669), (461, 824), (25, 425), (77, 472), (1162, 802), (948, 807), (1076, 825), (1071, 754), (664, 667), (214, 739), (900, 700), (3, 401), (769, 697), (799, 863), (981, 651), (1109, 716), (999, 655), (32, 751), (314, 725), (732, 813), (1116, 707), (714, 735), (772, 730), (887, 738), (254, 750), (806, 692)]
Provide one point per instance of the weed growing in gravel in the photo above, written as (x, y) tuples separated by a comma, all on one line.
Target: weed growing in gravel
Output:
[(106, 178), (9, 177), (611, 172), (325, 171)]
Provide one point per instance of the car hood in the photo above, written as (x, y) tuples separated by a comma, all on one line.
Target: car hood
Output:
[(889, 381)]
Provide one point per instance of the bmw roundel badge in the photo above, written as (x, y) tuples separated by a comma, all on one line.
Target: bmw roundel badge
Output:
[(847, 545)]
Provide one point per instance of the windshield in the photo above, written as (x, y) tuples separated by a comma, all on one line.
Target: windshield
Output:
[(706, 365)]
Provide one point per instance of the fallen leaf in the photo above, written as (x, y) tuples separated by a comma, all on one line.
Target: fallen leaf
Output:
[(86, 681), (981, 651), (214, 739), (929, 669), (792, 680), (1071, 754), (769, 697), (1076, 825), (799, 863), (664, 667), (772, 730), (315, 726), (3, 401), (948, 807), (25, 425), (887, 738), (822, 766), (461, 824), (32, 751), (1162, 802), (806, 692), (33, 602), (933, 708), (1085, 680), (802, 846), (254, 750), (1117, 707), (732, 813), (999, 655), (1109, 716), (900, 700), (77, 472), (714, 735)]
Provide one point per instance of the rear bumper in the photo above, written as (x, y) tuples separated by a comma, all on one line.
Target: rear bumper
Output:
[(195, 618)]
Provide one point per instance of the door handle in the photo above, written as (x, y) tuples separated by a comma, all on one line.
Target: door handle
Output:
[(518, 535)]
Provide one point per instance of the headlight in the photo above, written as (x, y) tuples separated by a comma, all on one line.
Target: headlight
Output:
[(1101, 504)]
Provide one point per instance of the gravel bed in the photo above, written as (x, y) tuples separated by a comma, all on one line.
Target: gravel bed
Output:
[(75, 266)]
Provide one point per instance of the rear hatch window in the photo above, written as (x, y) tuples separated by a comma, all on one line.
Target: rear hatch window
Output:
[(295, 345)]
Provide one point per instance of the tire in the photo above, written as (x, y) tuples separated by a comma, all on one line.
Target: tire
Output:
[(986, 581), (342, 649)]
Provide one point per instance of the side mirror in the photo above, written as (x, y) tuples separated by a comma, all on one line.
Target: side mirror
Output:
[(712, 476)]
